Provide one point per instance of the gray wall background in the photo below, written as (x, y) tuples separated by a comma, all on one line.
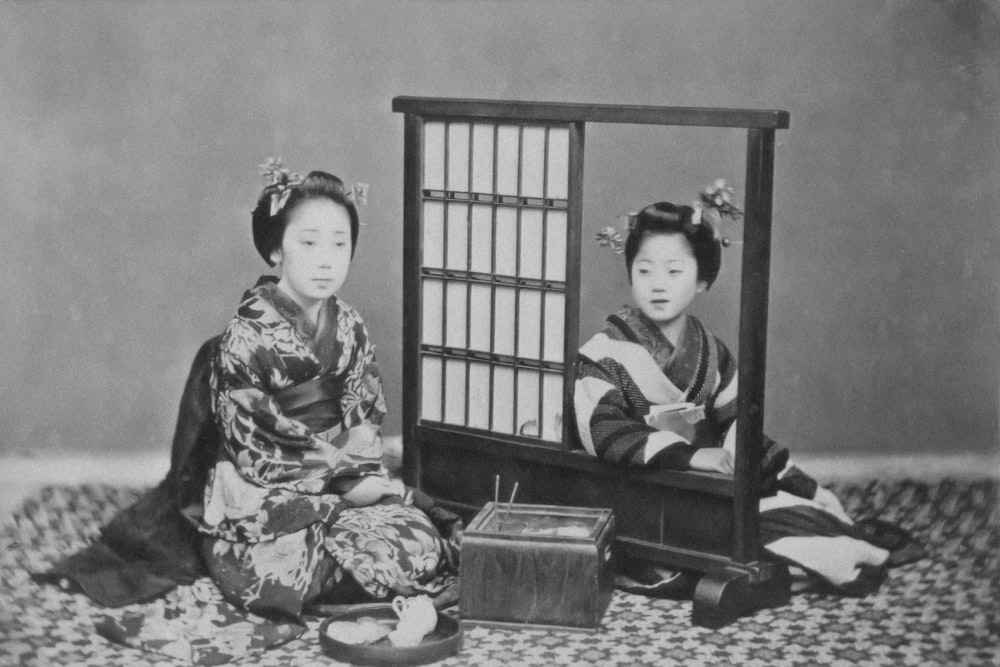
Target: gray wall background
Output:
[(131, 135)]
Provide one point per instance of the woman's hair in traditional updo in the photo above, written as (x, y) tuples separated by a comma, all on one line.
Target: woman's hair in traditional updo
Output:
[(666, 218), (268, 230)]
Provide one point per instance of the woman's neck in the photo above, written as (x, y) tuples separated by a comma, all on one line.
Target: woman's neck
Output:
[(313, 308), (673, 329)]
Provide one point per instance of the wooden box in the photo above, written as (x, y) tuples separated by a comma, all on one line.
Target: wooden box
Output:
[(538, 565)]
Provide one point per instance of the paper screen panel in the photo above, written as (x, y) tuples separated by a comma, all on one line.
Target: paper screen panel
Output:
[(433, 311), (552, 406), (503, 399), (480, 317), (555, 326), (479, 395), (533, 162), (433, 234), (506, 241), (458, 237), (531, 243), (558, 159), (529, 320), (555, 245), (458, 156), (507, 159), (454, 391), (527, 402), (430, 388), (503, 320), (481, 260), (456, 312), (482, 157), (434, 156)]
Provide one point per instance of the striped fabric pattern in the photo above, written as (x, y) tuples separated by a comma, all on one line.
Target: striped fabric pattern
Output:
[(629, 370)]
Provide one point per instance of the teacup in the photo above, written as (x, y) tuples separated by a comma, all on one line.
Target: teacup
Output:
[(417, 615)]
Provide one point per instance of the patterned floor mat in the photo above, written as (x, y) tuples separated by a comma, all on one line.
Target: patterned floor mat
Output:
[(943, 610)]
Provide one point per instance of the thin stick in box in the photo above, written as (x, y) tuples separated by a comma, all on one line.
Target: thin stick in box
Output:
[(496, 501), (510, 503)]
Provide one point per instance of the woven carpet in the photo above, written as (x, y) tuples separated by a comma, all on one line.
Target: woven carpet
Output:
[(943, 610)]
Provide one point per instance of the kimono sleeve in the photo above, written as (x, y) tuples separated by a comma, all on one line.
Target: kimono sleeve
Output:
[(267, 448), (720, 409), (721, 414), (613, 427), (363, 401)]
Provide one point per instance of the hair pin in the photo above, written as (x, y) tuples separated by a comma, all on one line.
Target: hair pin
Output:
[(281, 180), (358, 194), (715, 202), (610, 237), (284, 181)]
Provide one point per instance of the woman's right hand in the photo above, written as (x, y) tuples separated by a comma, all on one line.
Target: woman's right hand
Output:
[(372, 489), (828, 501), (712, 459)]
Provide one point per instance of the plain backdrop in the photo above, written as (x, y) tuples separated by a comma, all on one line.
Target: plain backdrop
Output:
[(130, 135)]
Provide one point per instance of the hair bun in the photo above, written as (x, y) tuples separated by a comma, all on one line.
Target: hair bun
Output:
[(326, 180), (284, 191)]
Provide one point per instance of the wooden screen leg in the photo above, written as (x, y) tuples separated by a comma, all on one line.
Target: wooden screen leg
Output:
[(722, 597)]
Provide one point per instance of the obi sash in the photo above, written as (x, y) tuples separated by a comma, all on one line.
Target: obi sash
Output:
[(315, 403)]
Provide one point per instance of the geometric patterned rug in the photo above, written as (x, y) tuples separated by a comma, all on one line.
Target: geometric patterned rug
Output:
[(943, 610)]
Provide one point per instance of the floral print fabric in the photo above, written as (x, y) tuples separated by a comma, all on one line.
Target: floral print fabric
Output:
[(278, 535), (390, 547), (192, 624)]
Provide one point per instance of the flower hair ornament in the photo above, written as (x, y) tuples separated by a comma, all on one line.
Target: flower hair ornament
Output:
[(714, 205), (610, 237), (280, 182)]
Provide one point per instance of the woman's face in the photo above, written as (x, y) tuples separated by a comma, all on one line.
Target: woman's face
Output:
[(315, 252), (665, 278)]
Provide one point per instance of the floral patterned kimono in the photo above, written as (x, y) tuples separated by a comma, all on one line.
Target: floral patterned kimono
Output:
[(299, 413), (640, 401)]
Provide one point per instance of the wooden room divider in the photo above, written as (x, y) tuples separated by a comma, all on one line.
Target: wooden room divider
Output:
[(493, 206)]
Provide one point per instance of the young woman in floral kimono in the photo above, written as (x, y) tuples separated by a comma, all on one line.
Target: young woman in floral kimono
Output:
[(298, 508), (656, 389)]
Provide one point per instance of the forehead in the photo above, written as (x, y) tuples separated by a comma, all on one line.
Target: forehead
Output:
[(320, 215), (665, 248)]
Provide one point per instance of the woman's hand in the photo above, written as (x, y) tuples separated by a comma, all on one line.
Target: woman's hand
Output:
[(826, 499), (372, 489), (395, 487), (712, 459)]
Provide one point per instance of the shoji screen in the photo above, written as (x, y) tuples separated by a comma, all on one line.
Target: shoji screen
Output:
[(493, 276)]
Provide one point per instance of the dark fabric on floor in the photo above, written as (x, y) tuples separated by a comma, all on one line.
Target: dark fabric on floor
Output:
[(941, 610), (150, 547)]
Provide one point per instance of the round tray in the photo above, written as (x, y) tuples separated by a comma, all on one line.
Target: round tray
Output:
[(445, 641)]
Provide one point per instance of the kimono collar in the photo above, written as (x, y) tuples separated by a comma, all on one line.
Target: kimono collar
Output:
[(679, 363), (268, 290)]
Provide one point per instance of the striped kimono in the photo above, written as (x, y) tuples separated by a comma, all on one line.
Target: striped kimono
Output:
[(641, 401)]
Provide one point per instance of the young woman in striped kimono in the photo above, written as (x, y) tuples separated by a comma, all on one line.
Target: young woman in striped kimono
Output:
[(656, 389)]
